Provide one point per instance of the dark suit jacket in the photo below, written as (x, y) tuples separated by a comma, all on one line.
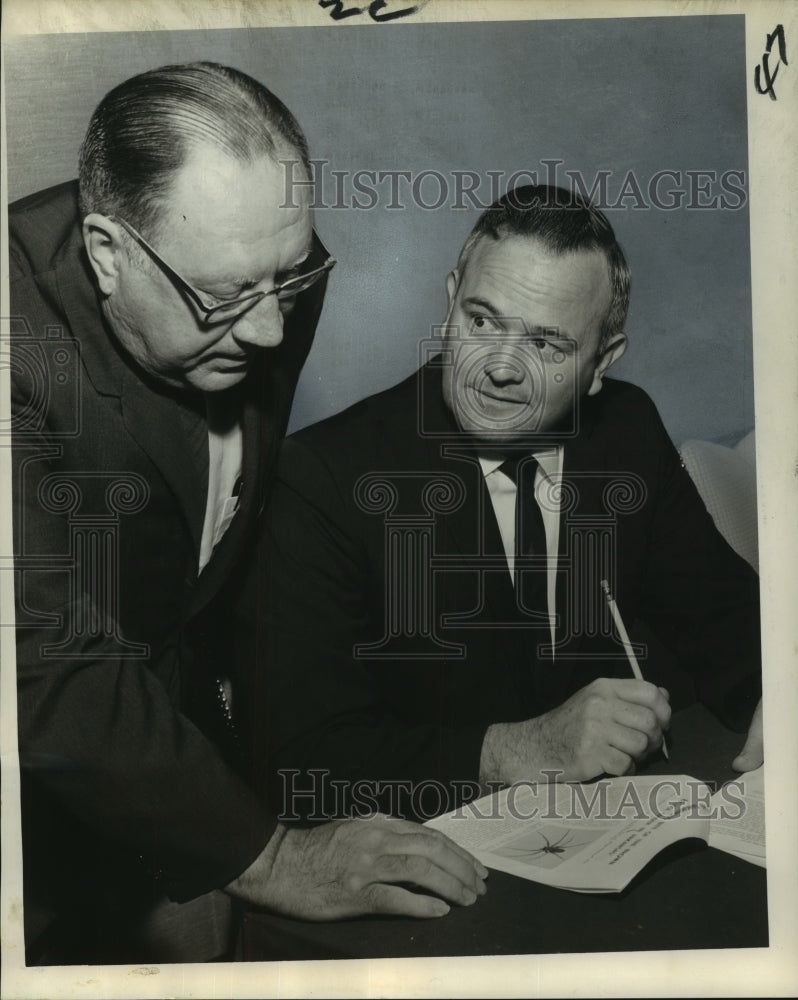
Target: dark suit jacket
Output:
[(391, 636), (133, 779)]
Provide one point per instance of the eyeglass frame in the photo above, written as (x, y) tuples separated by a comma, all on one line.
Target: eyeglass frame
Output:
[(205, 314)]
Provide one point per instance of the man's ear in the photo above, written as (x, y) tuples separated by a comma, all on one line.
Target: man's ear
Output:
[(609, 355), (452, 280), (104, 248)]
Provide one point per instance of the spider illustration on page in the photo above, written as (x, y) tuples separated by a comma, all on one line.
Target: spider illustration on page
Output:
[(548, 854)]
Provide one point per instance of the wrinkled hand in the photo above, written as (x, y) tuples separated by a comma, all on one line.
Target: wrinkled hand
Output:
[(359, 866), (752, 754), (605, 728)]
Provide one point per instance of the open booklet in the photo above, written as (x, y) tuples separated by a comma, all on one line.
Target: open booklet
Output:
[(596, 837)]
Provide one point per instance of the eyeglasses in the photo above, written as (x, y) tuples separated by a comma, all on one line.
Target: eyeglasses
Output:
[(222, 312)]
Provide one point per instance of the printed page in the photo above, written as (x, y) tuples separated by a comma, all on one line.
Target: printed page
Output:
[(738, 818), (587, 838)]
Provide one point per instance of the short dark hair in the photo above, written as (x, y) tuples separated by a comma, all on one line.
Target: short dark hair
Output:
[(142, 131), (564, 222)]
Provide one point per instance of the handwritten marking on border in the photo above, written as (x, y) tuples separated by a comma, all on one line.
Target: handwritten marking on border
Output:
[(376, 10), (763, 70)]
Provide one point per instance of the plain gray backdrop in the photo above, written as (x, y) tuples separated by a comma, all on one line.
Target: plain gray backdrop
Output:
[(634, 94)]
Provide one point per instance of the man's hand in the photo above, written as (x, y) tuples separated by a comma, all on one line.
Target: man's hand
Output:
[(360, 866), (605, 728), (752, 754)]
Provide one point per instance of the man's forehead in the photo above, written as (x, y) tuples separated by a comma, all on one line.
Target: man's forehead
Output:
[(516, 269), (219, 205), (215, 186)]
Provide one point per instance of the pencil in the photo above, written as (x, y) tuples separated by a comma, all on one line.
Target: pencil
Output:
[(630, 653)]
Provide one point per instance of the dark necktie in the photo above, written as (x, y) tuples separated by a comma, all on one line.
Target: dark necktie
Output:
[(531, 585)]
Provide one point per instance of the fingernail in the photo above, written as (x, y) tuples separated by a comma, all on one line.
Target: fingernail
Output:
[(481, 887), (440, 908), (482, 871), (469, 897)]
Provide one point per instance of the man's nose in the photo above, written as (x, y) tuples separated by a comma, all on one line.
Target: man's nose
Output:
[(262, 325), (504, 370)]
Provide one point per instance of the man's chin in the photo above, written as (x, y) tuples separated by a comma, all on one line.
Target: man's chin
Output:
[(500, 437), (216, 379), (518, 429)]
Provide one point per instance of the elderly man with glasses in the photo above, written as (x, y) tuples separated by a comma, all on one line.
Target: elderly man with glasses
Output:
[(150, 389)]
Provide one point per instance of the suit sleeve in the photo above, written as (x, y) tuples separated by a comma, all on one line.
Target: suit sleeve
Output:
[(98, 725), (338, 740), (698, 595)]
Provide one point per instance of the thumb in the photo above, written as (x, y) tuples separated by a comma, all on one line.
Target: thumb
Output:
[(752, 754)]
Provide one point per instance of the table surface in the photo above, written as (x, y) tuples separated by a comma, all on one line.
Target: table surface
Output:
[(690, 896)]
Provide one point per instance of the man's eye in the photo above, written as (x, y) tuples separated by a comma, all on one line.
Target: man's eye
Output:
[(482, 324), (217, 300), (239, 292)]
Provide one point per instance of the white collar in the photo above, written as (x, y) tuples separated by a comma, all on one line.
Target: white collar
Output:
[(547, 458)]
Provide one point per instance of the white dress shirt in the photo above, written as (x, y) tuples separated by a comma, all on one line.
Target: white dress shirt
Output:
[(225, 449)]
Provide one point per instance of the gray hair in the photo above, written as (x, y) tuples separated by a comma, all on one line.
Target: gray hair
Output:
[(142, 131)]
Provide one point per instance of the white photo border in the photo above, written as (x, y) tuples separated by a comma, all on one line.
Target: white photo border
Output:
[(773, 166)]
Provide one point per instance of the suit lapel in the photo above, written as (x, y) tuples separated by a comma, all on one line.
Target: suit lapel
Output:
[(154, 422), (582, 510), (471, 533), (260, 440)]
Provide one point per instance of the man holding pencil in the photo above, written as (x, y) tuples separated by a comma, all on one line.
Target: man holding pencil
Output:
[(450, 567)]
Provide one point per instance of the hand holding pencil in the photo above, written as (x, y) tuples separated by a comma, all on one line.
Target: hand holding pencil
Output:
[(624, 636), (606, 727)]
